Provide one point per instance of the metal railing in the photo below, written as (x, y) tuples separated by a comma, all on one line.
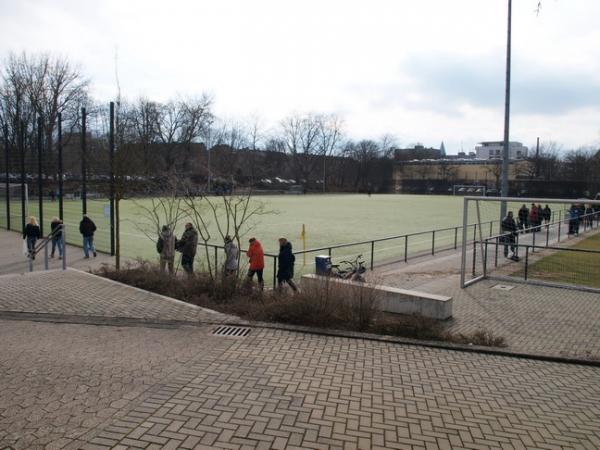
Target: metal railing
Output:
[(432, 244), (42, 244), (545, 234)]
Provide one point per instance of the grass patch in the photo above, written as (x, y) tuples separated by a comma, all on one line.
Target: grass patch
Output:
[(567, 267), (328, 305)]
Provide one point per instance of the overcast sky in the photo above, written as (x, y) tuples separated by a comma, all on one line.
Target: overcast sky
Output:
[(424, 70)]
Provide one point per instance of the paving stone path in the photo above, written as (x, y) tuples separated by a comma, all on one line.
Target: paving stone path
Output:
[(93, 387)]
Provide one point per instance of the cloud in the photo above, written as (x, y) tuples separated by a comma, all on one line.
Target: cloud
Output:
[(447, 83)]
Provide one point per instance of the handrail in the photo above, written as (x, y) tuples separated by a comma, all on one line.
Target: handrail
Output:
[(43, 244)]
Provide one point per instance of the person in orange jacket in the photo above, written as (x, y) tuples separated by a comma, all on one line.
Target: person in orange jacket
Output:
[(256, 255)]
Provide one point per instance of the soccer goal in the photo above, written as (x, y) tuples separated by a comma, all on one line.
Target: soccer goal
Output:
[(11, 197), (468, 189), (551, 242)]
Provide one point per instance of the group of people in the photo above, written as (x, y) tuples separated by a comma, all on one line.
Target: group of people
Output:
[(168, 244), (532, 218), (32, 233), (579, 214)]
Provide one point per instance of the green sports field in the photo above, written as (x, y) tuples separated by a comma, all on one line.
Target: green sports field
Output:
[(329, 220)]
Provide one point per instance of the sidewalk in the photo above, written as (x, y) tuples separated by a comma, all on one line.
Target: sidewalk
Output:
[(533, 319), (13, 261)]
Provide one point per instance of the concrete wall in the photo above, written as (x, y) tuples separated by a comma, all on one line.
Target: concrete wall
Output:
[(395, 300)]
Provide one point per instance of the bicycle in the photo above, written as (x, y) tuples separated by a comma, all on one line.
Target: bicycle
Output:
[(349, 270)]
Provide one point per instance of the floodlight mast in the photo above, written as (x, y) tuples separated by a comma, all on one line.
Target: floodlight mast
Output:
[(505, 147)]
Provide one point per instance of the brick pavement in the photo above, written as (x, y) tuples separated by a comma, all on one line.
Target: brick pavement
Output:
[(76, 293), (92, 387), (533, 319)]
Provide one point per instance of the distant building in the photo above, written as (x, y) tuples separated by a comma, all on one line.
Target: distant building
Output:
[(419, 152), (493, 150)]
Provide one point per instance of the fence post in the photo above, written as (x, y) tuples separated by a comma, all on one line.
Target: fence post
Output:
[(40, 138), (275, 271), (83, 161), (533, 242), (21, 146), (559, 223), (46, 256), (547, 233), (64, 245), (111, 149), (485, 255), (455, 237), (526, 261), (60, 169), (474, 231), (491, 227), (7, 181), (329, 251), (372, 253), (406, 248), (474, 256), (433, 242), (496, 257)]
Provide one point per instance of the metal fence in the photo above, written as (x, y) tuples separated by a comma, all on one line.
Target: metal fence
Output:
[(403, 247), (541, 260)]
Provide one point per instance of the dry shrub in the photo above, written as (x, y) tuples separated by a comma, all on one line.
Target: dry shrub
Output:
[(480, 337)]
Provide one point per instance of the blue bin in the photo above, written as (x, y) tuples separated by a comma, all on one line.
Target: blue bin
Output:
[(323, 264)]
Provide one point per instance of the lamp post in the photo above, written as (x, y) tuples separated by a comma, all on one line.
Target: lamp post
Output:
[(505, 149)]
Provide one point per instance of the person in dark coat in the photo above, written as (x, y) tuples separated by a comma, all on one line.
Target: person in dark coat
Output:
[(87, 228), (57, 239), (509, 227), (187, 245), (523, 217), (547, 214), (286, 260), (31, 233)]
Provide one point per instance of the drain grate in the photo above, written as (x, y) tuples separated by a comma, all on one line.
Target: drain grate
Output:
[(231, 331)]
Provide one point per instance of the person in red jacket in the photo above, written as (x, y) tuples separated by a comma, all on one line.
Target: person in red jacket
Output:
[(256, 255)]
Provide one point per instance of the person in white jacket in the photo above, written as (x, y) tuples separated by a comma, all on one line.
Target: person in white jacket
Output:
[(231, 257)]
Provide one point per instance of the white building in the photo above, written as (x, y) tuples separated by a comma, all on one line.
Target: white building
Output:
[(493, 150)]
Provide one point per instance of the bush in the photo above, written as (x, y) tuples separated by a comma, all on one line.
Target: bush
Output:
[(326, 305)]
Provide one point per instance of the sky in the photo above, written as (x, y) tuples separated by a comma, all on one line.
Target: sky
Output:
[(424, 71)]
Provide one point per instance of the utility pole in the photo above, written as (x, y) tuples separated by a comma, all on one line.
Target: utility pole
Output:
[(83, 162), (60, 170), (505, 148), (40, 138)]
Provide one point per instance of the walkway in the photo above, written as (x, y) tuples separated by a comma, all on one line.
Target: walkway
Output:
[(13, 261), (533, 319), (72, 385)]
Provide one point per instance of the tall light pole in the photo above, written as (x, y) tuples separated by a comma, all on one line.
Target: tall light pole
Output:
[(505, 149)]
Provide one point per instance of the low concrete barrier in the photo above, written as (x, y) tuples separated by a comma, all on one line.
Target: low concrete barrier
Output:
[(395, 300)]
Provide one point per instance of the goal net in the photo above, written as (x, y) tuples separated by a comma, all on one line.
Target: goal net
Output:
[(553, 242), (10, 204), (468, 189)]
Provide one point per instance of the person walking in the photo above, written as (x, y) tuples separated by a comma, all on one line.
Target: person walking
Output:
[(166, 249), (589, 216), (31, 234), (573, 220), (533, 217), (547, 214), (187, 245), (230, 267), (523, 217), (509, 227), (256, 255), (285, 261), (57, 237), (87, 228)]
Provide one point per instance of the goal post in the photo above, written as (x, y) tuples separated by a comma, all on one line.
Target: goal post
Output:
[(14, 204), (542, 244)]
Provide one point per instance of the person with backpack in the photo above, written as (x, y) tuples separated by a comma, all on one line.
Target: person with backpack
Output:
[(31, 234), (57, 238), (165, 246), (87, 228), (187, 245), (285, 261), (256, 256)]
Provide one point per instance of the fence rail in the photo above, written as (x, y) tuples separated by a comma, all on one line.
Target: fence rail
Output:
[(576, 268), (433, 243)]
